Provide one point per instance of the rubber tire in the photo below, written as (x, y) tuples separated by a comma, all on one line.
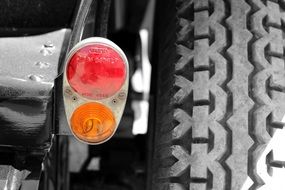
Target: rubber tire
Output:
[(220, 92)]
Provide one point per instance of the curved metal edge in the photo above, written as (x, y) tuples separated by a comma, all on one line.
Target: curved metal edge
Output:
[(78, 27)]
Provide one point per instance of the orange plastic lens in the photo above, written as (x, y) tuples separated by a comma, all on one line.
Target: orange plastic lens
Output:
[(93, 122)]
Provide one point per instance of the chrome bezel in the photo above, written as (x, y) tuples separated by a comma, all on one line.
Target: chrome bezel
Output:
[(117, 108)]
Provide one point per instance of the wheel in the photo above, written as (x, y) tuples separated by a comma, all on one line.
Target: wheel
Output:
[(220, 93)]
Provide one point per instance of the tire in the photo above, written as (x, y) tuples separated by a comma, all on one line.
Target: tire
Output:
[(220, 93)]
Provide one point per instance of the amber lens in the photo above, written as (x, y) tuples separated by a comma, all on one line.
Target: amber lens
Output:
[(93, 122)]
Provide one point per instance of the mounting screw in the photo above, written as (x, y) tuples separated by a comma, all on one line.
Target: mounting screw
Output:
[(48, 44), (36, 78), (68, 92), (122, 95), (114, 101), (42, 64), (74, 98)]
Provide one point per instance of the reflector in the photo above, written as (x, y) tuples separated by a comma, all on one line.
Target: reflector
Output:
[(95, 89), (96, 71), (93, 122)]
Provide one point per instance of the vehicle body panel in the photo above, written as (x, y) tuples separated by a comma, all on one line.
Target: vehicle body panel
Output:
[(29, 66)]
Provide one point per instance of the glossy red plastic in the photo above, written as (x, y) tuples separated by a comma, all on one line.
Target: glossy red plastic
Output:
[(96, 71)]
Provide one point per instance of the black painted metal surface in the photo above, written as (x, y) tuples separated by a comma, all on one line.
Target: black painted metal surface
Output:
[(28, 67), (21, 18), (26, 118)]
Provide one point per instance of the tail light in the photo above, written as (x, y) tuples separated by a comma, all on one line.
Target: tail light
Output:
[(95, 88)]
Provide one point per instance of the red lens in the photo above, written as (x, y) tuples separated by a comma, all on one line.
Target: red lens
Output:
[(96, 71)]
